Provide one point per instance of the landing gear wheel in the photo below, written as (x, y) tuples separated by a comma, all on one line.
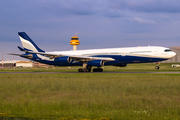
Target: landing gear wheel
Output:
[(84, 70), (157, 67), (100, 70), (80, 70), (88, 70), (97, 70)]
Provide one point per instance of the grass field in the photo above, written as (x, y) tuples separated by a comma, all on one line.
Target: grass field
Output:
[(92, 96)]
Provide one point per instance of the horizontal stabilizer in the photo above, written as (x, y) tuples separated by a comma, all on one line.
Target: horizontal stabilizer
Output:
[(26, 56), (21, 49)]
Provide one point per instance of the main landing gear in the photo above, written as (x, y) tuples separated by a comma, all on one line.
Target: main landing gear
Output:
[(157, 65), (88, 68), (85, 68), (98, 70)]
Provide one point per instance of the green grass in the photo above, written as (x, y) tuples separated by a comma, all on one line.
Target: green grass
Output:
[(90, 96)]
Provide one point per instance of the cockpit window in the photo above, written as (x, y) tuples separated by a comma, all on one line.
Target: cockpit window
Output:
[(167, 50)]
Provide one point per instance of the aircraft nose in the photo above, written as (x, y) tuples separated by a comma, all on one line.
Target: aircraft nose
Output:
[(173, 54)]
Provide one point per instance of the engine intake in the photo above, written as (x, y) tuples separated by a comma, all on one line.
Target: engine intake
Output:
[(97, 63), (64, 59)]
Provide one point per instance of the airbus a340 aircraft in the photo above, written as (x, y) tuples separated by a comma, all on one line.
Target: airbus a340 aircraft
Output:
[(95, 57)]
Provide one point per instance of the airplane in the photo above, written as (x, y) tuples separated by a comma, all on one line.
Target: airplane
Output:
[(94, 57)]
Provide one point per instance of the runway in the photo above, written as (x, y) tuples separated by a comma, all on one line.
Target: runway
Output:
[(89, 72)]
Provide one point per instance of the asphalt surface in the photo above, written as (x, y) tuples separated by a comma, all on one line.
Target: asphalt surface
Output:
[(86, 72)]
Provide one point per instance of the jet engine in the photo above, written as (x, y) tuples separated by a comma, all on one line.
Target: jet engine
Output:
[(97, 63), (64, 59)]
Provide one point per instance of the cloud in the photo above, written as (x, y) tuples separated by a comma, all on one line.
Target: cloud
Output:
[(110, 13), (81, 7), (154, 6), (143, 21), (61, 7)]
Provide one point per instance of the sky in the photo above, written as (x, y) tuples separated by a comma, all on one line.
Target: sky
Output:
[(99, 23)]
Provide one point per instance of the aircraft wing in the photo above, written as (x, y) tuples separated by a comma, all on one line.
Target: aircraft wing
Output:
[(86, 58), (76, 58)]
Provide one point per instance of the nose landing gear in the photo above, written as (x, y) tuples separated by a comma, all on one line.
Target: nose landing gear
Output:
[(157, 65)]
